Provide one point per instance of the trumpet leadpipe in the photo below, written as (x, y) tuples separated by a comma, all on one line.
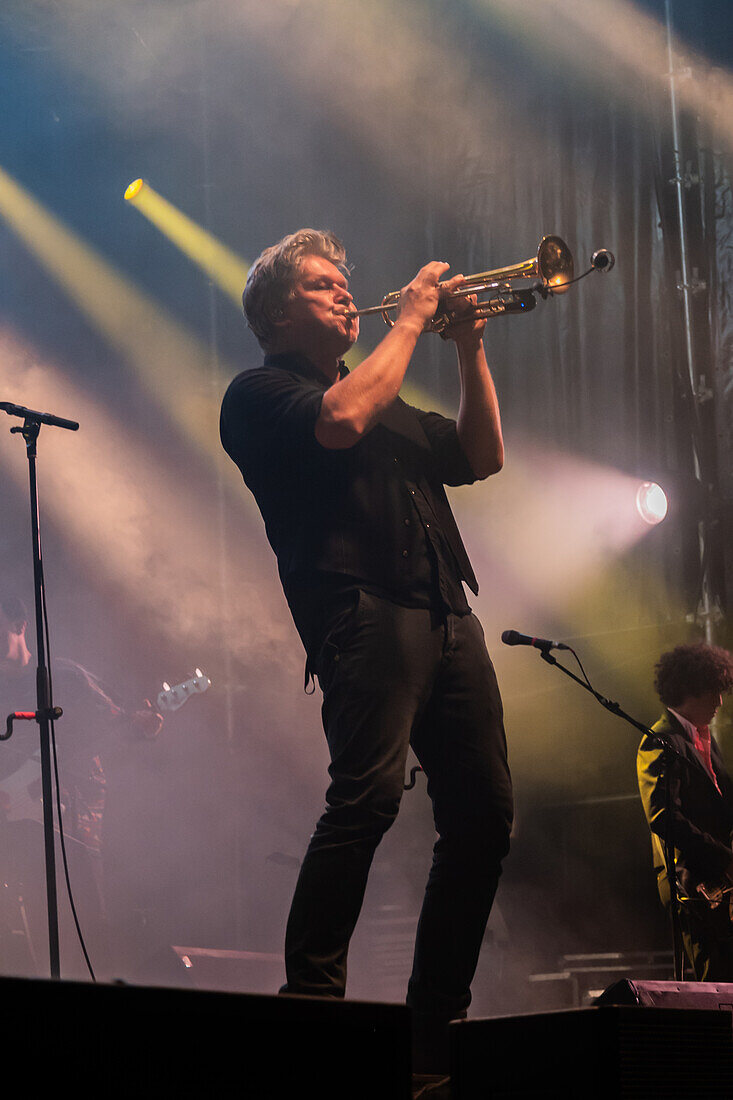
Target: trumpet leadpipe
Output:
[(369, 310), (463, 292)]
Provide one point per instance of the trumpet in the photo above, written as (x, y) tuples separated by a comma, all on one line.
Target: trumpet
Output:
[(551, 272)]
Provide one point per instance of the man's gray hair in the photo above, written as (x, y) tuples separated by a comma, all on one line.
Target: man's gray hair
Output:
[(273, 274)]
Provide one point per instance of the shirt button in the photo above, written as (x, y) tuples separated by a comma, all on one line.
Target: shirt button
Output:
[(412, 492), (404, 553), (427, 525), (407, 523)]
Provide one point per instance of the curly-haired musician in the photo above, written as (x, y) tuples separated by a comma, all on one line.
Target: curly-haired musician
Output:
[(690, 681), (350, 482)]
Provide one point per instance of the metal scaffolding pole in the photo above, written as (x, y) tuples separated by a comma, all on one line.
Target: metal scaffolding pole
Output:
[(707, 613)]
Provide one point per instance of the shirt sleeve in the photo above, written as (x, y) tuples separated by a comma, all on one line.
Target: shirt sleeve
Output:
[(270, 404), (453, 466)]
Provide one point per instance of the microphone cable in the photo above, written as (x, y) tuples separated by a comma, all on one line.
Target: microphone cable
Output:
[(602, 260), (596, 694), (583, 672), (54, 756)]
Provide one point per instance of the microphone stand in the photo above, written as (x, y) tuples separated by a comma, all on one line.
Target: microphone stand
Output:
[(669, 849), (45, 711)]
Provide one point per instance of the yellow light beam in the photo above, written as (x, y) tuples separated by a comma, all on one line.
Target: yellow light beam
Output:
[(227, 269), (135, 522), (174, 365), (220, 263)]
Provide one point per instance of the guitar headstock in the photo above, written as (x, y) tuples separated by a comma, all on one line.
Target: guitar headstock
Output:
[(173, 698)]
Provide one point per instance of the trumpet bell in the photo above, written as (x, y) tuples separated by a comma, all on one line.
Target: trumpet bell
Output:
[(552, 266), (555, 265)]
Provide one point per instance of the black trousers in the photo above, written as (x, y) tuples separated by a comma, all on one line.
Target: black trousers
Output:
[(707, 936), (393, 677)]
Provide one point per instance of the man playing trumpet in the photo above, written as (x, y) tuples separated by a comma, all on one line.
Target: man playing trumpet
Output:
[(350, 483)]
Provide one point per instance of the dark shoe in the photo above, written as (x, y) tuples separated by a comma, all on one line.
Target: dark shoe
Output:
[(430, 1046)]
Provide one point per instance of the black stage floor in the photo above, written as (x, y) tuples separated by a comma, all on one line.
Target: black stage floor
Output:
[(115, 1039)]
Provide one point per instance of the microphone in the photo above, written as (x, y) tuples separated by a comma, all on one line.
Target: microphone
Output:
[(513, 637), (37, 417), (602, 260)]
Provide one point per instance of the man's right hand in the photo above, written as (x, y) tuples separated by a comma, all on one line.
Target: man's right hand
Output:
[(419, 300)]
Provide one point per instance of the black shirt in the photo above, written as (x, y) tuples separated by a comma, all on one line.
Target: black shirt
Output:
[(374, 515)]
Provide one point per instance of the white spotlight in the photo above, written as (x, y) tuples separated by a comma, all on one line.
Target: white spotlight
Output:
[(651, 502)]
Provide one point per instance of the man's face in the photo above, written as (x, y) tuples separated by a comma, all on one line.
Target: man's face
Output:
[(315, 314), (701, 709)]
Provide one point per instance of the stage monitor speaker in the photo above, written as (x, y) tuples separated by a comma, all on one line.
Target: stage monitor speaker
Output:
[(669, 994), (121, 1041), (605, 1053)]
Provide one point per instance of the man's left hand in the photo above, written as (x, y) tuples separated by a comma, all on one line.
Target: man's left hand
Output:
[(463, 324)]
